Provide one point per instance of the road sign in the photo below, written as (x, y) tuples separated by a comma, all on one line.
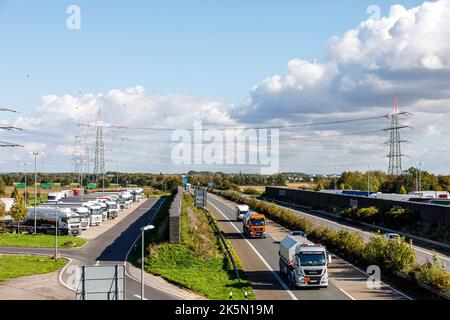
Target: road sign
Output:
[(92, 185), (201, 197), (46, 185), (184, 180), (210, 184), (100, 282), (20, 185)]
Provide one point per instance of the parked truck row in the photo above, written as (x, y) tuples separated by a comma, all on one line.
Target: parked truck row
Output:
[(64, 214)]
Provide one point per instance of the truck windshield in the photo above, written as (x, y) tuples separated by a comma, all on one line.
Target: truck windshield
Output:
[(257, 222), (308, 259), (113, 206)]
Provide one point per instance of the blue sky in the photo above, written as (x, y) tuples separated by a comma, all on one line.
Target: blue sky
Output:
[(175, 62), (214, 49)]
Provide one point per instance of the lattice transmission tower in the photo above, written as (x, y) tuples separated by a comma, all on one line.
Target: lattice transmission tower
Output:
[(395, 142), (99, 148)]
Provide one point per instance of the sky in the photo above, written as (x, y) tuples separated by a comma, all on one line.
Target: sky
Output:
[(167, 64)]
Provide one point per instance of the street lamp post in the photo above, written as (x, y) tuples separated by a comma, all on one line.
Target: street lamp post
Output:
[(419, 179), (35, 187), (368, 180), (56, 233), (146, 228), (335, 185)]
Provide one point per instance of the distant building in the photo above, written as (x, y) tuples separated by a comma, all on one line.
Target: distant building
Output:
[(431, 194)]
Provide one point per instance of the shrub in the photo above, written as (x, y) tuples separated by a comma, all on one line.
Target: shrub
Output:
[(398, 216), (393, 255), (350, 213), (349, 244), (364, 214), (434, 275), (251, 191)]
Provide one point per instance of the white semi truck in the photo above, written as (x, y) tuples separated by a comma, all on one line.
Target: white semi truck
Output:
[(48, 218), (85, 217), (55, 197), (95, 213), (241, 211), (303, 263), (113, 209)]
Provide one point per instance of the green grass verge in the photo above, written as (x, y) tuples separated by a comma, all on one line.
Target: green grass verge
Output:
[(39, 241), (12, 266), (199, 263)]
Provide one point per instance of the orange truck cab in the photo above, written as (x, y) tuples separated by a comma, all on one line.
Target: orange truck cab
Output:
[(254, 225)]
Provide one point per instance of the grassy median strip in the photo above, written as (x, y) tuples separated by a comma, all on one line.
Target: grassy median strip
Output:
[(15, 266), (39, 241), (198, 263)]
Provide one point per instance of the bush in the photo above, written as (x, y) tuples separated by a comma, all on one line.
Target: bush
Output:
[(399, 216), (348, 244), (434, 275), (393, 255), (364, 214), (251, 191)]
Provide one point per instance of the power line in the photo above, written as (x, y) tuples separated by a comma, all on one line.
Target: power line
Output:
[(268, 127)]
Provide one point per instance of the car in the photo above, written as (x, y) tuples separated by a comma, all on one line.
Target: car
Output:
[(391, 236), (299, 234)]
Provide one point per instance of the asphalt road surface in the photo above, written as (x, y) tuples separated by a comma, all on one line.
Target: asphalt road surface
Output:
[(268, 276)]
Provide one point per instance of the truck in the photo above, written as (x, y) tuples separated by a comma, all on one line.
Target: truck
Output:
[(95, 213), (104, 209), (113, 209), (85, 217), (254, 225), (241, 210), (137, 194), (125, 200), (48, 218), (304, 264), (54, 197)]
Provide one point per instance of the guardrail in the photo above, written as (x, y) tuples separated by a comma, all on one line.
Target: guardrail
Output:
[(224, 243), (434, 244)]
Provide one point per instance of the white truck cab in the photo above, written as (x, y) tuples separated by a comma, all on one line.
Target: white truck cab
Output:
[(113, 209), (95, 213), (85, 217), (54, 197), (304, 264), (241, 211)]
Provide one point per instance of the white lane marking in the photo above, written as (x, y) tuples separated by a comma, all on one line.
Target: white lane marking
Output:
[(139, 297), (138, 280), (343, 291), (336, 224), (285, 287)]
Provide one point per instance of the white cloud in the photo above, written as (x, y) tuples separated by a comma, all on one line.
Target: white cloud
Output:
[(405, 53)]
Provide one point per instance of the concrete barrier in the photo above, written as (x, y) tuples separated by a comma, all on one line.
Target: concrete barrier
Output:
[(429, 213), (174, 218)]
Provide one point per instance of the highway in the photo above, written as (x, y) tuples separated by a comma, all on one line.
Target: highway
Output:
[(260, 260), (111, 247), (422, 254)]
